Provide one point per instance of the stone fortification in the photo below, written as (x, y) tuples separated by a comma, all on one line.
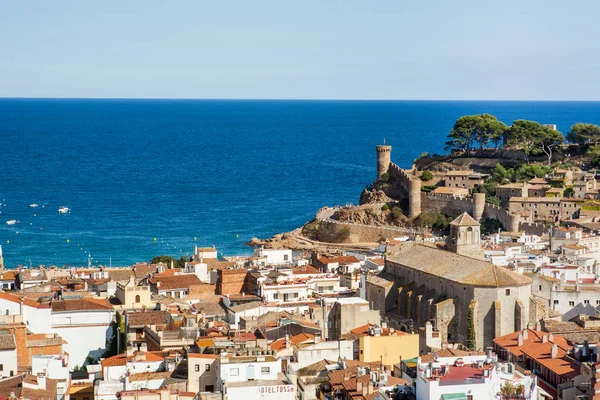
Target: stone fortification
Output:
[(411, 185)]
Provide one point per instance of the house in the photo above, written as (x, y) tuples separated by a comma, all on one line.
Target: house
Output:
[(203, 371), (176, 286), (158, 394), (254, 378), (8, 355), (7, 279), (132, 295), (28, 278), (464, 179), (545, 353), (459, 192), (469, 377), (376, 343), (274, 257)]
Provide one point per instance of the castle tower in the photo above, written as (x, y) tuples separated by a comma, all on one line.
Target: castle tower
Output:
[(384, 154), (478, 205), (465, 237)]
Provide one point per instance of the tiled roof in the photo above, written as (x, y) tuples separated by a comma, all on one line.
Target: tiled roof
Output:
[(208, 356), (86, 304), (306, 269), (338, 259), (456, 267), (149, 376), (447, 352), (7, 342), (465, 220), (175, 282), (26, 301), (280, 344), (534, 348), (146, 318), (122, 359), (119, 275), (245, 306)]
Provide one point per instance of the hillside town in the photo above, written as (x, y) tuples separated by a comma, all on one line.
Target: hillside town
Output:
[(501, 302)]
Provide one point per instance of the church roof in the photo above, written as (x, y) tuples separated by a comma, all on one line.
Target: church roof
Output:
[(455, 267), (465, 220)]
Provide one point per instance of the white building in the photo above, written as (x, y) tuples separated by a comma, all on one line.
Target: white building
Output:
[(53, 367), (254, 378), (273, 256), (8, 355), (331, 350), (72, 320), (467, 377)]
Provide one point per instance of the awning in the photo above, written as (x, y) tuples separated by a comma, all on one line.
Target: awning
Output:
[(454, 396)]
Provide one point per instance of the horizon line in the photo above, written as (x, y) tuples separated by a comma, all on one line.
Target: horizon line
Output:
[(290, 99)]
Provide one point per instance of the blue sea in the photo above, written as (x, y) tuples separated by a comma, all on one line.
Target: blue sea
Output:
[(203, 172)]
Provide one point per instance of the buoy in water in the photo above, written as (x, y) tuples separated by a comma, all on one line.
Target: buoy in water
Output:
[(68, 241), (237, 236), (155, 239), (194, 238), (8, 242)]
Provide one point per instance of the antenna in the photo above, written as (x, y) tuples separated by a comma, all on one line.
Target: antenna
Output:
[(384, 140)]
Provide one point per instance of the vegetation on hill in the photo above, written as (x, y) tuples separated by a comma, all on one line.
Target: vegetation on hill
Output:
[(433, 220), (167, 260), (532, 138)]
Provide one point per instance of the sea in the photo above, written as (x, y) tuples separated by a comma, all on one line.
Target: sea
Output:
[(150, 177)]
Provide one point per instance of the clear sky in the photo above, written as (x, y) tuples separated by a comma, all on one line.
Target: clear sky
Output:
[(309, 49)]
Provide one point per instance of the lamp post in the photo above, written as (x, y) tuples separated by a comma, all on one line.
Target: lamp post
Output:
[(118, 339)]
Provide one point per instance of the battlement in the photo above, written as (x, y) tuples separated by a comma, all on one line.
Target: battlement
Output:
[(383, 148)]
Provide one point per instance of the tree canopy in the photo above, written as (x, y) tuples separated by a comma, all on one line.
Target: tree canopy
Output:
[(533, 138), (167, 260), (480, 129), (582, 133)]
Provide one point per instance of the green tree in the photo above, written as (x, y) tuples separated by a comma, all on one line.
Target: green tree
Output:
[(481, 129), (502, 175), (178, 263), (432, 220), (491, 225), (582, 133), (426, 176), (533, 138), (470, 330)]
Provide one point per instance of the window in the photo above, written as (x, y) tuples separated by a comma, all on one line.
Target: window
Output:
[(586, 302), (196, 368), (598, 302), (285, 257), (209, 388), (265, 370), (571, 303), (555, 301), (1, 367), (508, 292), (137, 298), (540, 288), (234, 372), (207, 367)]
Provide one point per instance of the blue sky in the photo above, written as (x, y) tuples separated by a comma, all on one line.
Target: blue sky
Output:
[(372, 49)]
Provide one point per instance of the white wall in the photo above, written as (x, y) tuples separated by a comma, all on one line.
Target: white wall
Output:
[(8, 359), (228, 370), (325, 351), (267, 392)]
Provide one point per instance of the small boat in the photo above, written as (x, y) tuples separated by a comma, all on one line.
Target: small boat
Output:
[(64, 210), (11, 222), (34, 205)]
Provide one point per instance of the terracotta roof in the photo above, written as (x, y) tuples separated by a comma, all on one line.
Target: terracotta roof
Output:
[(7, 342), (306, 269), (149, 376), (536, 349), (447, 352), (456, 267), (338, 259), (86, 304), (245, 306), (209, 356), (449, 190), (9, 275), (378, 261), (146, 318), (175, 281), (280, 344), (26, 301), (122, 359)]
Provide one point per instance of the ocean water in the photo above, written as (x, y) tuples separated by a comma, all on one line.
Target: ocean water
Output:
[(203, 172)]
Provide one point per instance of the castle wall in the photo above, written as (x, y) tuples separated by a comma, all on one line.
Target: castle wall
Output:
[(411, 185)]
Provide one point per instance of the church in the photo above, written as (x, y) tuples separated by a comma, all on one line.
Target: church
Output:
[(467, 299)]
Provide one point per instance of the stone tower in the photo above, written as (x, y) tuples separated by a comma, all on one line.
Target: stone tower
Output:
[(465, 237), (384, 154), (478, 205)]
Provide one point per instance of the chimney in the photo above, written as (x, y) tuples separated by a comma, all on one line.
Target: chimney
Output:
[(544, 338), (317, 337), (288, 342), (370, 390), (538, 326), (359, 386), (525, 334), (520, 340), (554, 351), (551, 338), (172, 264)]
